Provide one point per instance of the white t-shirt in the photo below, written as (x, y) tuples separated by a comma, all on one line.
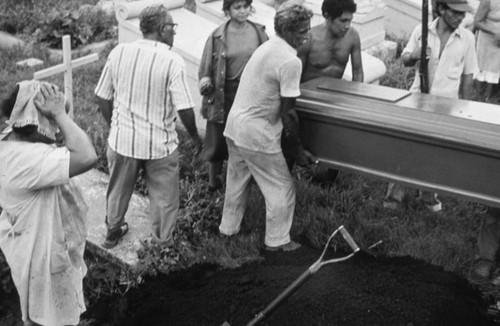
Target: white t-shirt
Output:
[(272, 72), (458, 58)]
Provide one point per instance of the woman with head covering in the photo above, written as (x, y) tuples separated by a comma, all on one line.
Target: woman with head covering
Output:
[(226, 53), (42, 225)]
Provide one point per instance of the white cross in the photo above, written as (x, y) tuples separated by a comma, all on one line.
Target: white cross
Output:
[(67, 68)]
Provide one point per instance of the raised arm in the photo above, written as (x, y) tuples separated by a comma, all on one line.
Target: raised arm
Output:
[(50, 102)]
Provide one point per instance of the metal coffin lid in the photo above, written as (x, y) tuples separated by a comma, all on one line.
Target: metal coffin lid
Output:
[(429, 142), (393, 110)]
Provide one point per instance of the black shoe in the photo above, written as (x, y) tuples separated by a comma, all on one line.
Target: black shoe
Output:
[(113, 236), (213, 189)]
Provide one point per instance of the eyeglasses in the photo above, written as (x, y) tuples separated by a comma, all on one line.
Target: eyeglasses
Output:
[(173, 25)]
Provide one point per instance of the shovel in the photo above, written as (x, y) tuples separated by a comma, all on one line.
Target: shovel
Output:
[(305, 276)]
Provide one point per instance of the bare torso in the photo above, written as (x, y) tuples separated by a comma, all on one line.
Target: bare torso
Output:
[(324, 55)]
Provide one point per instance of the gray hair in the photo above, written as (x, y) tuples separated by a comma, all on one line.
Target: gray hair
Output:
[(289, 16), (152, 18)]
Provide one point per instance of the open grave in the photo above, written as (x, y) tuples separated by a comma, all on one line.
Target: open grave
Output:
[(366, 290)]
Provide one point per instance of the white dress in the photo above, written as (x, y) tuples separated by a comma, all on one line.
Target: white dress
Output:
[(42, 231), (488, 51)]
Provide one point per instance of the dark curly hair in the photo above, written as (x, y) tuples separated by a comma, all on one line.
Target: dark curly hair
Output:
[(226, 5), (288, 18), (335, 8)]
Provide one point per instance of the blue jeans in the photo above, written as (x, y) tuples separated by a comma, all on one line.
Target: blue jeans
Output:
[(274, 180), (162, 180)]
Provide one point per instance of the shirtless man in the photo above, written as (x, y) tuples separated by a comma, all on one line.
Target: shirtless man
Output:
[(332, 43), (327, 52)]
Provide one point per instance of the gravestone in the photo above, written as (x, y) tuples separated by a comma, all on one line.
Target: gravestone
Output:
[(373, 68), (93, 185)]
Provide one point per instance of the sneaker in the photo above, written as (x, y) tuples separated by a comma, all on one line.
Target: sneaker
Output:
[(481, 271), (290, 246), (435, 206), (113, 236)]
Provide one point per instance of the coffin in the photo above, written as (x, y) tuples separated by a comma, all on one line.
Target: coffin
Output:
[(430, 142)]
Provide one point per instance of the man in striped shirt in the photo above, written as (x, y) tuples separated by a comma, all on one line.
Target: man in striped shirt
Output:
[(141, 88)]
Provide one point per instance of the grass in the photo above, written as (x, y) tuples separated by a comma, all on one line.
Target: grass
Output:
[(447, 239)]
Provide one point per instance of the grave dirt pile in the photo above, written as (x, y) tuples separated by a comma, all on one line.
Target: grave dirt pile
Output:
[(364, 290)]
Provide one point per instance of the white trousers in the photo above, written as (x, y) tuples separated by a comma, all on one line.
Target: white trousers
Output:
[(274, 181)]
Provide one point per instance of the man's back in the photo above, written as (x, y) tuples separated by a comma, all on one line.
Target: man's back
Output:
[(147, 83), (272, 70)]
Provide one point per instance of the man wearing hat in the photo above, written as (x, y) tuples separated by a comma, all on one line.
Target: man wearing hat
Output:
[(452, 61)]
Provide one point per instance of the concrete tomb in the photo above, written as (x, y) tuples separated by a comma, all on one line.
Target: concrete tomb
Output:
[(374, 68)]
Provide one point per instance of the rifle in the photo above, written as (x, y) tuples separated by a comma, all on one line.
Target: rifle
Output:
[(423, 68)]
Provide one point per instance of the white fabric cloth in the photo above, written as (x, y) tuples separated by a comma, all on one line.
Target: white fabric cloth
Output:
[(25, 112), (147, 83), (42, 231), (272, 72), (458, 58)]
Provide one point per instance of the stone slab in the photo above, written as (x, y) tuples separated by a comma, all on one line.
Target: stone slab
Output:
[(94, 184), (31, 62), (8, 41)]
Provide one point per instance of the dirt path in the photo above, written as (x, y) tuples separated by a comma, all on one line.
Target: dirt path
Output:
[(362, 291)]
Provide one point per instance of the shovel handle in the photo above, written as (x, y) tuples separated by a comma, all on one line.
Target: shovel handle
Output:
[(280, 298), (349, 239)]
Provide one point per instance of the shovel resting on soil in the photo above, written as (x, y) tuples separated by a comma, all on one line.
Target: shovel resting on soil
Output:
[(305, 276)]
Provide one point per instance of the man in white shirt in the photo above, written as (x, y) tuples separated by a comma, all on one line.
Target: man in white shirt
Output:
[(261, 111), (451, 63), (142, 87)]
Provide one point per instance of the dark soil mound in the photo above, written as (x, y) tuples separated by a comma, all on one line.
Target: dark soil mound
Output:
[(364, 290)]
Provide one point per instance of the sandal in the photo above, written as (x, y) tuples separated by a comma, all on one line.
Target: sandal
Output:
[(113, 236), (290, 246)]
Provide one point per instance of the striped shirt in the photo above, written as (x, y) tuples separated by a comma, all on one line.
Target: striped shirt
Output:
[(147, 83)]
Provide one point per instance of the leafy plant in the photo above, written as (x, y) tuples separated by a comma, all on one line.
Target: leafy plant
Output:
[(87, 25)]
